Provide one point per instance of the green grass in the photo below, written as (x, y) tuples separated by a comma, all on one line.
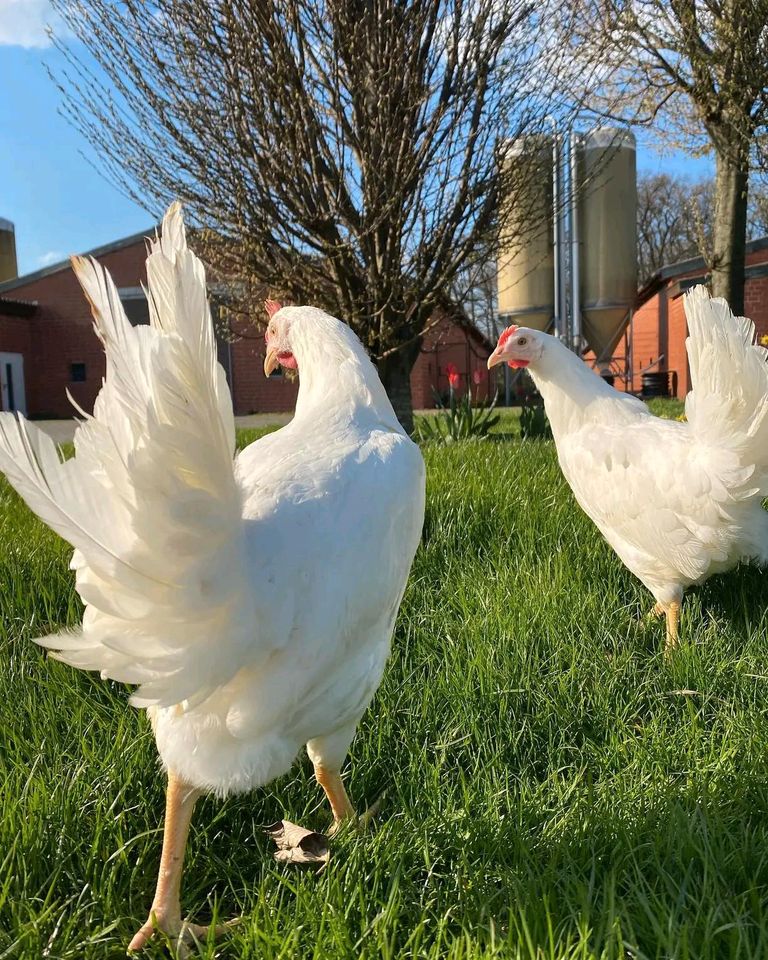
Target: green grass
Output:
[(555, 790), (509, 417), (666, 407)]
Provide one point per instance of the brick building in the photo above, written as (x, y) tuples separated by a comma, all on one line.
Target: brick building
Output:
[(47, 344), (659, 329)]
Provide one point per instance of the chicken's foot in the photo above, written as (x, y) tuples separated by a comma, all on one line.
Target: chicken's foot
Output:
[(341, 805)]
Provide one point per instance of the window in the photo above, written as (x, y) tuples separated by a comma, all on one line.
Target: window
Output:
[(135, 305), (77, 373), (11, 402)]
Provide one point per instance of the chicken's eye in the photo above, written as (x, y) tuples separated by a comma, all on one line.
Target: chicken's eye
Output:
[(522, 341)]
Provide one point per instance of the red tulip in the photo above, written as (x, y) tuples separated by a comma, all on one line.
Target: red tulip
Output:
[(477, 376)]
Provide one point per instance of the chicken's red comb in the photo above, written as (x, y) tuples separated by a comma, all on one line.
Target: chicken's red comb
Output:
[(506, 334), (272, 306)]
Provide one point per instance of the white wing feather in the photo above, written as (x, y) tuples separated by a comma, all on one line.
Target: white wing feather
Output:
[(150, 502), (651, 496)]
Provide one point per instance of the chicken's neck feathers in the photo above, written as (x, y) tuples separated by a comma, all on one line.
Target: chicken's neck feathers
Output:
[(338, 381), (567, 386)]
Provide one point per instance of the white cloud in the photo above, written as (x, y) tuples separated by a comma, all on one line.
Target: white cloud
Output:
[(23, 23), (53, 256)]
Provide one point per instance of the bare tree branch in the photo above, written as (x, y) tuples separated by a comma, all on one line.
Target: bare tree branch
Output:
[(341, 150), (697, 70)]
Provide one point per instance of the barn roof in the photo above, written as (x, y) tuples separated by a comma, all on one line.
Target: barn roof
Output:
[(16, 308), (698, 267), (64, 264)]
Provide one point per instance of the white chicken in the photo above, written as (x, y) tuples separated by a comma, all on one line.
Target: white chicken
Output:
[(252, 598), (676, 501)]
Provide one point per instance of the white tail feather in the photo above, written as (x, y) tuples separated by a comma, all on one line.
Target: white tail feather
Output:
[(150, 502), (728, 405)]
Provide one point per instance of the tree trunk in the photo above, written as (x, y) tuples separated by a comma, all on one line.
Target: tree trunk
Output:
[(395, 373), (730, 227)]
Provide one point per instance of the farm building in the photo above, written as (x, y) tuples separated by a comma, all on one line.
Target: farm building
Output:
[(48, 347), (659, 329)]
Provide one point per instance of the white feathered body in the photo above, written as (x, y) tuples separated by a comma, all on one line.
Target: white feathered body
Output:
[(332, 524), (677, 501), (251, 598)]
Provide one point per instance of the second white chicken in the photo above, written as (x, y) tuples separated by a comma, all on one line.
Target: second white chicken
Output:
[(678, 502)]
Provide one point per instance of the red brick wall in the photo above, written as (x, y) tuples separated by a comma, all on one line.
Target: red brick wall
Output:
[(252, 392), (423, 376), (646, 337), (677, 358), (61, 333), (649, 331), (15, 334), (659, 331), (448, 343), (445, 343), (16, 337), (756, 303)]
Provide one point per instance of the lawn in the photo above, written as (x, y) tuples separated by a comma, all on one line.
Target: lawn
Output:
[(554, 788)]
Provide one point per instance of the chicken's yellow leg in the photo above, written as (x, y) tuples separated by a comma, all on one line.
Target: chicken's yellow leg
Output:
[(672, 611), (165, 913), (341, 806)]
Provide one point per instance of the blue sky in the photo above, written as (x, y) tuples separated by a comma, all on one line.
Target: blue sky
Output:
[(48, 188), (48, 185)]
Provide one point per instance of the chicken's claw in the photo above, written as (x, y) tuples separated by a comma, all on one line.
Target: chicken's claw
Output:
[(181, 937)]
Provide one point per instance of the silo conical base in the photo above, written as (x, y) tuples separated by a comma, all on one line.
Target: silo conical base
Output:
[(602, 328), (534, 319)]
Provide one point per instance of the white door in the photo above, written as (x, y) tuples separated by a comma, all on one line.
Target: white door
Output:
[(12, 382)]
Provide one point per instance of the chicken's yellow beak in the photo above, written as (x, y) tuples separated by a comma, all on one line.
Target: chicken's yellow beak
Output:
[(495, 358), (270, 361)]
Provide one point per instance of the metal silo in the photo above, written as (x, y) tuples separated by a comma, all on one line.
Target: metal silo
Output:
[(607, 214), (525, 265), (8, 265)]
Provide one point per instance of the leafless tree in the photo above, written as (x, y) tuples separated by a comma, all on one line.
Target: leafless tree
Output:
[(474, 290), (758, 211), (338, 151), (697, 69), (674, 221)]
